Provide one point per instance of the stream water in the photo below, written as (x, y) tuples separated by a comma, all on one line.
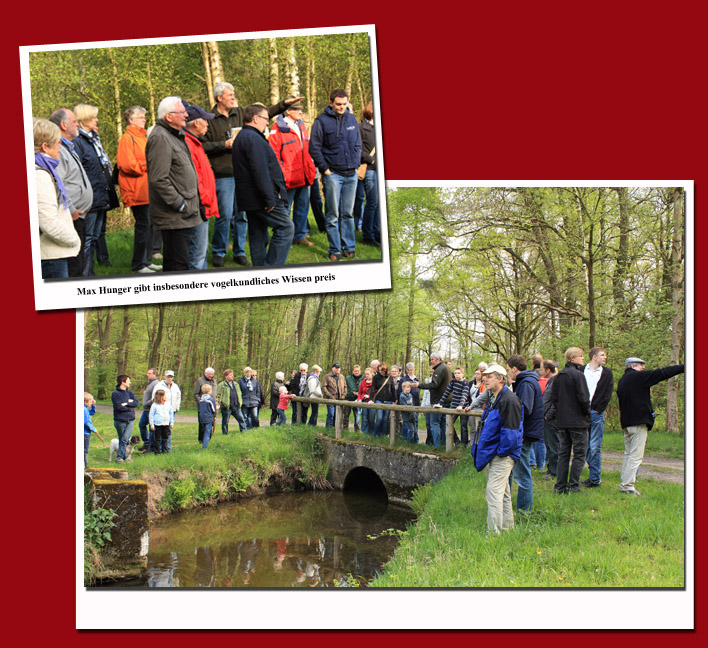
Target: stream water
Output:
[(311, 539)]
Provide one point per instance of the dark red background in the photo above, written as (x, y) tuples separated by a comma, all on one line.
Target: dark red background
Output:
[(468, 92)]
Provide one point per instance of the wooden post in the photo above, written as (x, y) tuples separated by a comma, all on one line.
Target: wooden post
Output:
[(298, 412), (449, 432), (392, 427), (337, 421)]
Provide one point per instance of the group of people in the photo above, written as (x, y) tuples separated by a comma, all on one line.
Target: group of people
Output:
[(530, 417), (193, 165), (532, 410)]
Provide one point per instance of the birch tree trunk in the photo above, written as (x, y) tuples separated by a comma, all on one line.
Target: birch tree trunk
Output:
[(151, 90), (274, 77), (311, 81), (352, 63), (213, 68), (291, 66), (677, 300)]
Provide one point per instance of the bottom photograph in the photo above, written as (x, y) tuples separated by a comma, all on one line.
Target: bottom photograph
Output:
[(495, 420)]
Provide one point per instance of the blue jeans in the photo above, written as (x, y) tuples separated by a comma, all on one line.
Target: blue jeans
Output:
[(522, 476), (437, 427), (208, 427), (144, 427), (250, 416), (359, 204), (55, 268), (87, 440), (124, 430), (282, 420), (226, 414), (199, 246), (299, 200), (331, 413), (93, 225), (314, 411), (339, 195), (594, 455), (368, 420), (275, 253), (228, 210), (381, 420), (370, 228), (538, 454)]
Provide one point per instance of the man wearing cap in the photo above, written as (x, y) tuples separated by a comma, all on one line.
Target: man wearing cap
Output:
[(144, 423), (218, 144), (572, 402), (173, 184), (336, 149), (637, 414), (261, 190), (173, 396), (291, 143), (600, 385), (334, 387), (195, 129), (497, 447)]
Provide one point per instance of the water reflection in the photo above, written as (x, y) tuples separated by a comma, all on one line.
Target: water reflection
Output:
[(287, 540)]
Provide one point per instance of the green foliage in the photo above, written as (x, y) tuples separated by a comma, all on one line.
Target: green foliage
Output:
[(179, 494), (97, 532)]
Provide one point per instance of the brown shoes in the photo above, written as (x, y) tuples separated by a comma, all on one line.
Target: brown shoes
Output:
[(303, 241)]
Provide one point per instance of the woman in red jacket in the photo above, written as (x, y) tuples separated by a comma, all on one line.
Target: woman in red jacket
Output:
[(199, 236), (291, 143), (133, 183)]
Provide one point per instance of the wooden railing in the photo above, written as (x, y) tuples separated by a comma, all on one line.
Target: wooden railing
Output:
[(340, 404)]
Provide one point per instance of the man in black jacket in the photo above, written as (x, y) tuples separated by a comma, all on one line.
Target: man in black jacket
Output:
[(572, 402), (637, 414), (600, 385), (261, 190)]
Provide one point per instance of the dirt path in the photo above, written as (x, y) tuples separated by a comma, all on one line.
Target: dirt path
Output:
[(658, 468)]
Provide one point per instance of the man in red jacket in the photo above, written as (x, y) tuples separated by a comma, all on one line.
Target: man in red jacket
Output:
[(291, 143), (194, 132)]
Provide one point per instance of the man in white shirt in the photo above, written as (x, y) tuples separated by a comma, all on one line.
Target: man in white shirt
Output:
[(600, 385)]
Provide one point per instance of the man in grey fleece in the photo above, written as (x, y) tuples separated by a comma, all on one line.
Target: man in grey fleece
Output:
[(76, 182), (144, 423)]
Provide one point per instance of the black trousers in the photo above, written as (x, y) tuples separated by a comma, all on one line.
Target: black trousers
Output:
[(76, 264), (159, 438), (550, 437), (142, 239), (175, 245), (577, 440)]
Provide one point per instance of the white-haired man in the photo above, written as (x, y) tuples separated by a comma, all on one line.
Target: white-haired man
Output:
[(218, 142), (173, 184), (206, 379), (297, 387)]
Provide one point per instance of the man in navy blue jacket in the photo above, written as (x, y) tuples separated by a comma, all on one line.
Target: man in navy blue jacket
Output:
[(637, 414), (261, 191), (335, 146), (528, 390), (497, 447)]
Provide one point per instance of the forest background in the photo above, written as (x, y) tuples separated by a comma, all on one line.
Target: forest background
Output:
[(263, 70), (478, 273)]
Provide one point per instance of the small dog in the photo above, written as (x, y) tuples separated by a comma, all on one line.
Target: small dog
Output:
[(134, 440)]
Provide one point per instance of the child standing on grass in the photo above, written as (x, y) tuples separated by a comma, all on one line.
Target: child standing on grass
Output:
[(89, 411), (162, 420), (408, 431), (207, 415), (283, 400)]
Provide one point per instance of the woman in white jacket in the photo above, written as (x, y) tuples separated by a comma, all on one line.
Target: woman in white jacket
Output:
[(314, 390), (58, 240)]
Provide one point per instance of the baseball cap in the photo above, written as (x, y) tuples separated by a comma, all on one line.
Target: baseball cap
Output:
[(196, 112), (169, 372), (495, 368)]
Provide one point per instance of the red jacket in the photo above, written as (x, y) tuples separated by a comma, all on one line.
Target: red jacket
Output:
[(293, 153), (132, 167), (205, 175)]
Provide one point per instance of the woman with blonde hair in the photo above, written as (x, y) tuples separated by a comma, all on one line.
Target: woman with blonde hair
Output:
[(99, 171), (58, 240)]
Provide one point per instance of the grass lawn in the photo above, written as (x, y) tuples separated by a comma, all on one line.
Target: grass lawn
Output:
[(597, 538), (660, 443), (120, 251)]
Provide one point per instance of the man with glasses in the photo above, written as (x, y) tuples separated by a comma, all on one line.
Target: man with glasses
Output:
[(172, 184), (335, 147), (261, 190), (218, 144)]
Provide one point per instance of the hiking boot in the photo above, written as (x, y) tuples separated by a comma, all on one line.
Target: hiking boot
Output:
[(242, 260), (218, 261)]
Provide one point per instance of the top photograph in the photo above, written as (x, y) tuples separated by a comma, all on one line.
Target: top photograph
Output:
[(205, 167)]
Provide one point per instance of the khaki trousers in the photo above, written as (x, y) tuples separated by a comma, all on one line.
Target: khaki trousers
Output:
[(635, 438), (500, 514)]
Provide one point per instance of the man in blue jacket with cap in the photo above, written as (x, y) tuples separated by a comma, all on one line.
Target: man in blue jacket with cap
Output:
[(497, 447)]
